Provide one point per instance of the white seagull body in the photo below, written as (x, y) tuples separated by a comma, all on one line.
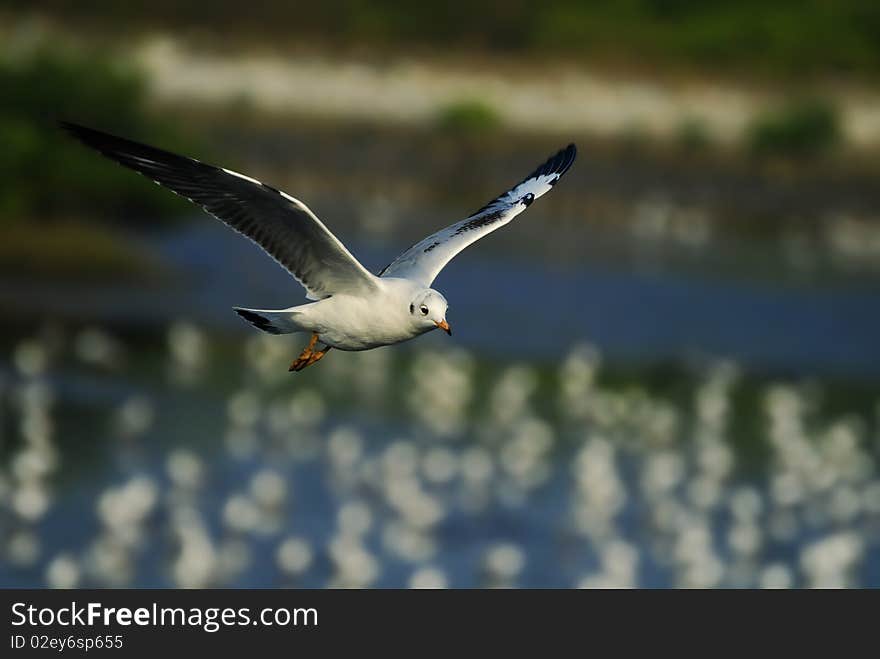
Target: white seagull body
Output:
[(352, 309)]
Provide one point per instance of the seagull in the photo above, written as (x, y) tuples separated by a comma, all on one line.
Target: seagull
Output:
[(351, 308)]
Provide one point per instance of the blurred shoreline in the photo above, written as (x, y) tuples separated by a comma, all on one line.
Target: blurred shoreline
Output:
[(562, 100), (523, 94)]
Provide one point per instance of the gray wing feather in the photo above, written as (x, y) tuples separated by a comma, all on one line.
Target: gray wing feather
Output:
[(283, 226), (423, 261)]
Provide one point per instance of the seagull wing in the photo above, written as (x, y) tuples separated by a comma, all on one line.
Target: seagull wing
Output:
[(283, 226), (423, 261)]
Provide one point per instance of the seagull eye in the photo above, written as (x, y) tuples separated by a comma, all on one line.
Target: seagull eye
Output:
[(424, 310)]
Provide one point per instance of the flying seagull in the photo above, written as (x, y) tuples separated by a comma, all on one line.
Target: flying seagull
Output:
[(352, 309)]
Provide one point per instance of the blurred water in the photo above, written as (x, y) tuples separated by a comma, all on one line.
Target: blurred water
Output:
[(636, 316), (586, 425), (206, 464)]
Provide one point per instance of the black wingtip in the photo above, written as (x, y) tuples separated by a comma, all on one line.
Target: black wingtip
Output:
[(156, 164), (96, 139), (77, 131), (564, 159), (559, 163), (103, 143)]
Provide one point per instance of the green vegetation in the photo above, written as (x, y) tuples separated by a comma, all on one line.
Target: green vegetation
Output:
[(772, 36), (46, 175), (693, 136), (469, 117), (71, 249), (48, 182), (803, 128)]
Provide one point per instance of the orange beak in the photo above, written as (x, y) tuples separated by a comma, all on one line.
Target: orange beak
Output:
[(445, 327)]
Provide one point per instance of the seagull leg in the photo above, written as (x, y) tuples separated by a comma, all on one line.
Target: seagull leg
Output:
[(302, 361), (316, 356)]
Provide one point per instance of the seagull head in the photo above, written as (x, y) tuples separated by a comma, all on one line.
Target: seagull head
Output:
[(428, 311)]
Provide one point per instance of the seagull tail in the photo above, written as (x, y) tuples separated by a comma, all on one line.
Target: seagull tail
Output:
[(274, 322)]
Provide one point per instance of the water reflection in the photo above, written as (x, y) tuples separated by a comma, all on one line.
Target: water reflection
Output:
[(639, 393), (422, 467)]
